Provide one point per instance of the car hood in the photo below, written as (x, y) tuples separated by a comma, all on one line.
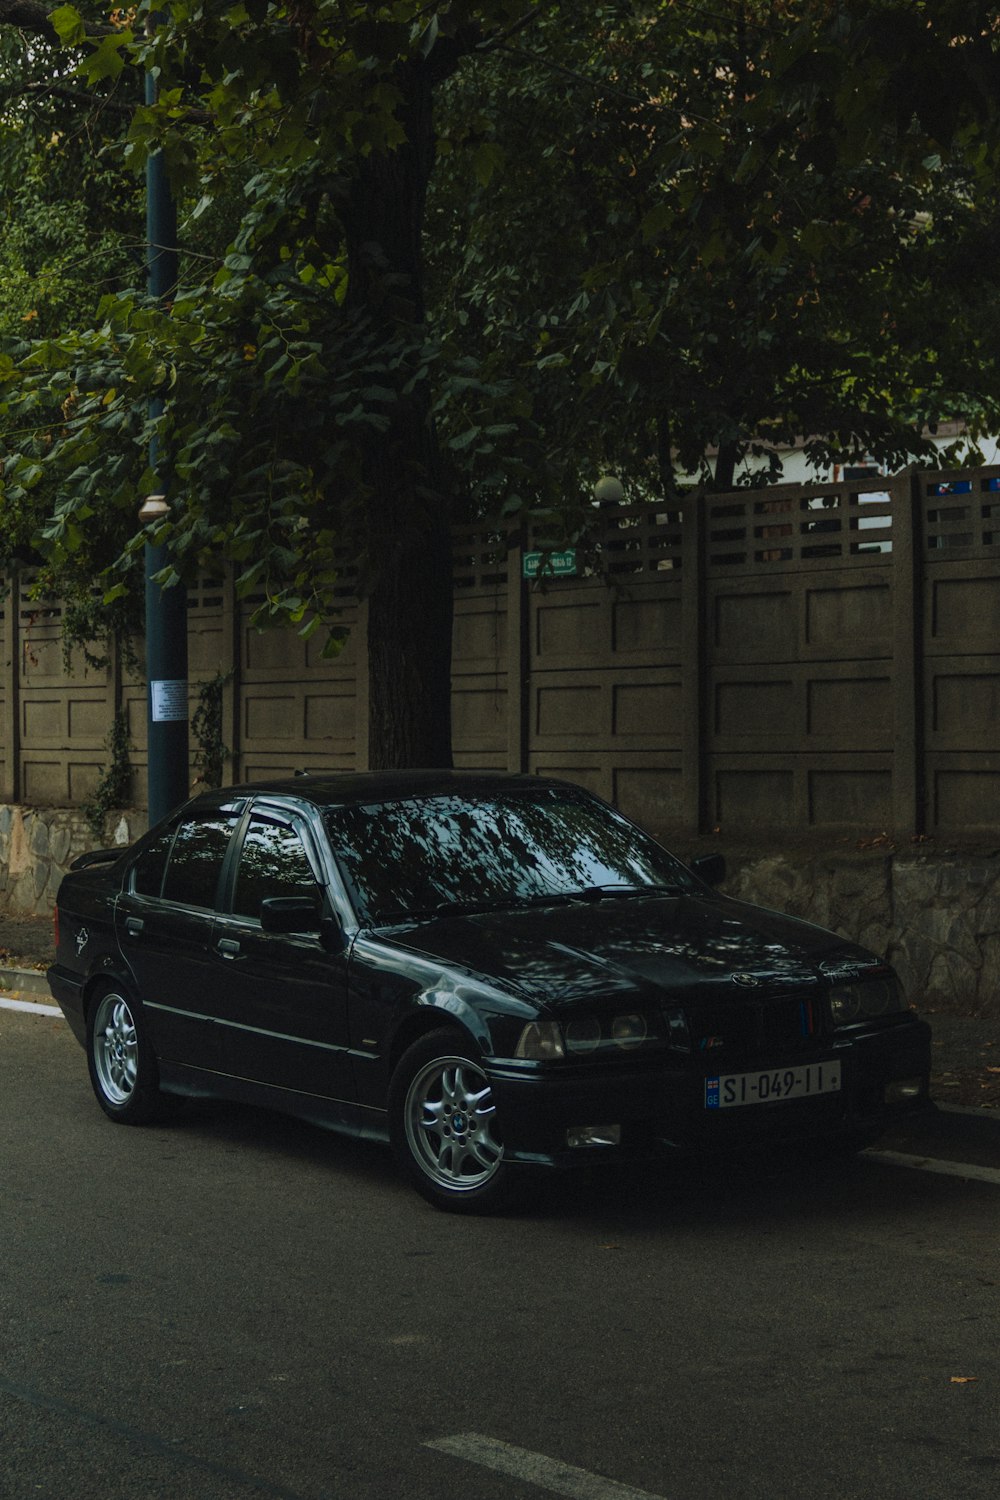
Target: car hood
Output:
[(638, 949)]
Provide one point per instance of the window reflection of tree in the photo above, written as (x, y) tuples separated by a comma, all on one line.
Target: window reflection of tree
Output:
[(272, 863), (195, 861), (415, 855), (148, 871)]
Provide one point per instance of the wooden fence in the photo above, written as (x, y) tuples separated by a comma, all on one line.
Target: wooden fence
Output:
[(798, 658)]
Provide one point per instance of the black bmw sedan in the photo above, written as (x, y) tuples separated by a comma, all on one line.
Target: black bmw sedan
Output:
[(493, 973)]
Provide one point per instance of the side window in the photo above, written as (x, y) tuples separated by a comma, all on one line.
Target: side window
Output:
[(273, 862), (147, 872), (196, 860)]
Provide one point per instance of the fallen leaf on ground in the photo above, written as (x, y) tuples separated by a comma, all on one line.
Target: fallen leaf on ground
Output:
[(964, 1379)]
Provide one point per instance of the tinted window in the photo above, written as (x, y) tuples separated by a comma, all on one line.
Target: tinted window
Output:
[(273, 862), (417, 855), (196, 860), (147, 872)]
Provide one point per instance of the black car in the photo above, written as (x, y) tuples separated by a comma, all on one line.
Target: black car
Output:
[(492, 972)]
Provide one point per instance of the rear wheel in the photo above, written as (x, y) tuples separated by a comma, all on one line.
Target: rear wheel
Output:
[(120, 1057), (443, 1126)]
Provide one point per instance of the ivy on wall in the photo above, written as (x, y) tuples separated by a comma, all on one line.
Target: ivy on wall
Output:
[(114, 788), (206, 727)]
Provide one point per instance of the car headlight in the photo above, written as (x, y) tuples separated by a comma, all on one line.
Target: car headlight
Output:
[(867, 1000), (584, 1035), (545, 1041), (629, 1031), (540, 1041)]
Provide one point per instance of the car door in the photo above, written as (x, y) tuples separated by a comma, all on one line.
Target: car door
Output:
[(164, 921), (281, 996)]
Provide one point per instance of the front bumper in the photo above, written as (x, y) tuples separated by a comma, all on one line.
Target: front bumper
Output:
[(659, 1102)]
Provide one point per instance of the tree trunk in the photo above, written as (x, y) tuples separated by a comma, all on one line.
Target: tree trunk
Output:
[(408, 515), (725, 468), (665, 460)]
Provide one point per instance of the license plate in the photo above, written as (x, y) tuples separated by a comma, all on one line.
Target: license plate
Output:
[(731, 1090)]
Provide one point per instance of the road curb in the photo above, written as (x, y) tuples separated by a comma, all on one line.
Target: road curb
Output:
[(16, 981)]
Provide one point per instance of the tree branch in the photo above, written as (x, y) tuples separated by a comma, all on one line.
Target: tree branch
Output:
[(63, 91), (30, 16), (498, 38)]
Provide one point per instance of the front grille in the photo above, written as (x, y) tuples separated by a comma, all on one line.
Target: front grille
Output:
[(789, 1023), (728, 1034)]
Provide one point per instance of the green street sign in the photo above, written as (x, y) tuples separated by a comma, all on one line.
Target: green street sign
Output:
[(549, 564)]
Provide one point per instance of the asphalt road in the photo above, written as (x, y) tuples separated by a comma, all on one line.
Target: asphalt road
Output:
[(237, 1306)]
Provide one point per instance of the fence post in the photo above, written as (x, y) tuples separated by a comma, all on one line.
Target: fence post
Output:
[(114, 688), (232, 687), (362, 706), (692, 660), (908, 810), (517, 656), (11, 689)]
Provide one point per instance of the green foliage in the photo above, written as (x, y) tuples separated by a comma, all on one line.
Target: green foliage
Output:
[(114, 788), (72, 220), (206, 727), (704, 249), (300, 362), (457, 263)]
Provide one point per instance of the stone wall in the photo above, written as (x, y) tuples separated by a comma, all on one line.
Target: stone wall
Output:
[(38, 845), (936, 915)]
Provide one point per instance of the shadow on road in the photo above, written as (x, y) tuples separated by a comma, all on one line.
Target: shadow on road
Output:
[(755, 1192)]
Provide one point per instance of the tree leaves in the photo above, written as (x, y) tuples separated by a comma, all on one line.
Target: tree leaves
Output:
[(69, 24), (652, 231)]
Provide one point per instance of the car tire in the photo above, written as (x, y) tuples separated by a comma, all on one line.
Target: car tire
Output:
[(442, 1126), (121, 1060)]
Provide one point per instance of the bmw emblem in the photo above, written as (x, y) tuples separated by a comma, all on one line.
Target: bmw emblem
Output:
[(747, 981)]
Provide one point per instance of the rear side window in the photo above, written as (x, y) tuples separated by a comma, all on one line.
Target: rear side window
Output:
[(195, 863), (149, 868)]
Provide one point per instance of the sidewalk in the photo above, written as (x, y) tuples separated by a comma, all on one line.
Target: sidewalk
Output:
[(965, 1058)]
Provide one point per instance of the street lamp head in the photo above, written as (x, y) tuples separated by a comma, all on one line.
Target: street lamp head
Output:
[(154, 508), (608, 490)]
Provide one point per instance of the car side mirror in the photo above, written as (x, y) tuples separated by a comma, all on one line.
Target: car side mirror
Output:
[(711, 868), (301, 914)]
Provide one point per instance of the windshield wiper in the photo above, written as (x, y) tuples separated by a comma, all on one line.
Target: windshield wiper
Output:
[(615, 892), (593, 893), (471, 908)]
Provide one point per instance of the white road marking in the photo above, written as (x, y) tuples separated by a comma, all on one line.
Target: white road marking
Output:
[(535, 1468), (8, 1003), (935, 1164)]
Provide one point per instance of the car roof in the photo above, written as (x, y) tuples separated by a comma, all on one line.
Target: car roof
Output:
[(343, 788)]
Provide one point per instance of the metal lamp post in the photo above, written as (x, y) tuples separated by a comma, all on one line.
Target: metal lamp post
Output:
[(166, 608)]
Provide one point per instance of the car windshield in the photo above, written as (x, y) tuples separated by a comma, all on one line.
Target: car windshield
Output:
[(426, 856)]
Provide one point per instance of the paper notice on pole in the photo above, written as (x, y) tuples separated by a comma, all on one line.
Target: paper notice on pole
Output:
[(169, 700)]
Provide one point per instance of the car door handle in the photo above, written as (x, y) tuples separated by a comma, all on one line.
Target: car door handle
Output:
[(133, 926), (227, 948)]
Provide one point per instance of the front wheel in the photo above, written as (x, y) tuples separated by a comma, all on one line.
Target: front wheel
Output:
[(121, 1061), (443, 1127)]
